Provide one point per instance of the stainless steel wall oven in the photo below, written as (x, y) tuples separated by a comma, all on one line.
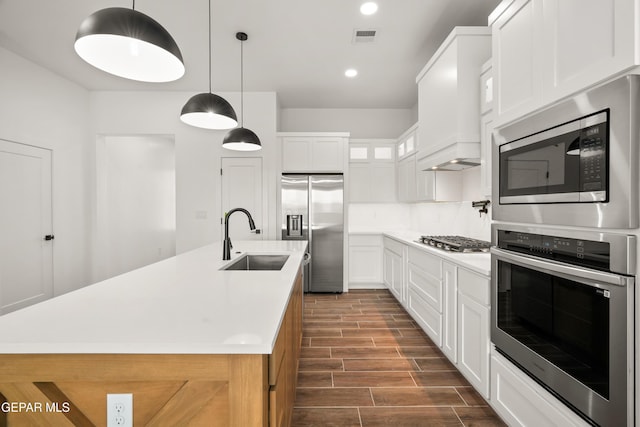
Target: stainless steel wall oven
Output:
[(562, 311), (575, 163)]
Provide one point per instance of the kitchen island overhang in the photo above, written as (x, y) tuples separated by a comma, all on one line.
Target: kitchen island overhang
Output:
[(189, 340)]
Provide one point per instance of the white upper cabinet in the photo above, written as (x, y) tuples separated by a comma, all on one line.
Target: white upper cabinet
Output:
[(545, 50), (372, 172), (307, 152), (438, 186), (486, 127), (448, 97)]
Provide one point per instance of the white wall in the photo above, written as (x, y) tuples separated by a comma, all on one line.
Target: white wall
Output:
[(40, 108), (361, 123), (136, 198), (198, 152)]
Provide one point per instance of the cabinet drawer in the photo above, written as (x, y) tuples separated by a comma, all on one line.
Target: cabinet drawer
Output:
[(423, 313), (431, 264), (394, 246), (278, 401), (474, 286), (276, 357), (429, 287)]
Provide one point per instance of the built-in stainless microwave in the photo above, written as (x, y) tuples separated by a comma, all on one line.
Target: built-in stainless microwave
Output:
[(575, 163)]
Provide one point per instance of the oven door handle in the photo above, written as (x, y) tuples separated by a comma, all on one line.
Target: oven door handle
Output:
[(592, 277)]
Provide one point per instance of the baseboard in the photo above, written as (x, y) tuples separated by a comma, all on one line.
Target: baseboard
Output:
[(360, 285)]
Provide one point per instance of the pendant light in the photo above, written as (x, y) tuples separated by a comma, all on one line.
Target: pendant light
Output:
[(129, 44), (207, 110), (241, 138)]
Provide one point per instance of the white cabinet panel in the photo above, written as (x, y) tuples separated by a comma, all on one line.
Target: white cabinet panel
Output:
[(359, 182), (438, 186), (521, 402), (365, 259), (327, 154), (515, 52), (578, 59), (486, 128), (407, 179), (450, 310), (372, 170), (427, 317), (296, 154), (313, 152), (429, 287), (473, 343)]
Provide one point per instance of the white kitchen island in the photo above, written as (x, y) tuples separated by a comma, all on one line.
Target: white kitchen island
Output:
[(192, 342)]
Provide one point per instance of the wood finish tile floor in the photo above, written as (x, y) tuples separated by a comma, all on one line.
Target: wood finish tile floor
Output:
[(366, 363)]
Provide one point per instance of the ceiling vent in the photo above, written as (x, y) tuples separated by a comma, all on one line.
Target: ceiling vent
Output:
[(364, 36)]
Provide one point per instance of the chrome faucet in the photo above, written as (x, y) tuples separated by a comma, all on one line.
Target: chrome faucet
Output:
[(226, 244)]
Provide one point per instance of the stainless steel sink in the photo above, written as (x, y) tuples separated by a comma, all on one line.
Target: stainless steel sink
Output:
[(258, 262)]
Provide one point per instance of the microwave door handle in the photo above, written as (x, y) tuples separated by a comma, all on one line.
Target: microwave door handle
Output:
[(571, 272)]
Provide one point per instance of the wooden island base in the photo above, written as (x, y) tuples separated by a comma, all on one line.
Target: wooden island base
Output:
[(242, 390)]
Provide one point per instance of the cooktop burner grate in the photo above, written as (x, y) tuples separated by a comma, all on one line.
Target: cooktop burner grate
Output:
[(456, 243)]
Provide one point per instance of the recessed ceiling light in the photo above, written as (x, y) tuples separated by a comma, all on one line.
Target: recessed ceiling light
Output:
[(368, 8), (351, 72)]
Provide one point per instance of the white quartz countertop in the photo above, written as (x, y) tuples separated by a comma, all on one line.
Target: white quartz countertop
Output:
[(480, 262), (182, 305)]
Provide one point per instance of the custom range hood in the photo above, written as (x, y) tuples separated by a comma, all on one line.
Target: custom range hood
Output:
[(451, 156)]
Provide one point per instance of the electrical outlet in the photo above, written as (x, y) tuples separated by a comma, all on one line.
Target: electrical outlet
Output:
[(120, 410)]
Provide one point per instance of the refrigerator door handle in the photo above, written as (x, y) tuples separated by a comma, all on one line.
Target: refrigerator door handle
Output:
[(307, 258)]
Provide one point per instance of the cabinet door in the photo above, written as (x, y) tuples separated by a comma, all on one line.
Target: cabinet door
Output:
[(296, 154), (425, 186), (424, 314), (387, 271), (486, 140), (450, 310), (474, 343), (382, 185), (327, 154), (516, 46), (364, 264), (360, 182), (407, 179), (602, 47)]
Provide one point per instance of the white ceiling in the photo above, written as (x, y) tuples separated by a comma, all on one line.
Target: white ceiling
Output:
[(298, 48)]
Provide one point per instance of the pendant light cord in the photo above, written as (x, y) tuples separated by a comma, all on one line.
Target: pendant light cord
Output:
[(209, 46), (241, 84)]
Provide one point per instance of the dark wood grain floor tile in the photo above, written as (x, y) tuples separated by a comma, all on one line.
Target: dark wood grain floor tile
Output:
[(435, 364), (325, 417), (413, 333), (379, 365), (315, 379), (408, 417), (333, 397), (320, 365), (322, 332), (417, 396), (372, 379), (479, 417), (439, 378), (424, 351), (330, 324), (315, 352), (471, 396), (368, 317), (378, 333), (401, 342), (341, 342), (365, 352), (390, 323)]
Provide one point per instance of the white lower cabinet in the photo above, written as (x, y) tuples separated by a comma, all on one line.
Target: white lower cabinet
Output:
[(365, 260), (450, 310), (474, 342), (522, 402), (425, 315), (393, 266)]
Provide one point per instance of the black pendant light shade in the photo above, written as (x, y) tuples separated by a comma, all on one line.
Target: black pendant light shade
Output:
[(241, 138), (129, 44), (209, 111)]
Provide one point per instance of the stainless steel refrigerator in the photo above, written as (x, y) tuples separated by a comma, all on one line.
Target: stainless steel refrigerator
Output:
[(313, 210)]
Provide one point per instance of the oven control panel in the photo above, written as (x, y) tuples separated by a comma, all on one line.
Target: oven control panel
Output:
[(589, 253)]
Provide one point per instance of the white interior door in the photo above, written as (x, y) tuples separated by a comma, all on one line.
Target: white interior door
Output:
[(242, 188), (26, 258)]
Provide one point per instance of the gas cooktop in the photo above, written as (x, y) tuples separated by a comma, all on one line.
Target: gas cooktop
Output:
[(456, 243)]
